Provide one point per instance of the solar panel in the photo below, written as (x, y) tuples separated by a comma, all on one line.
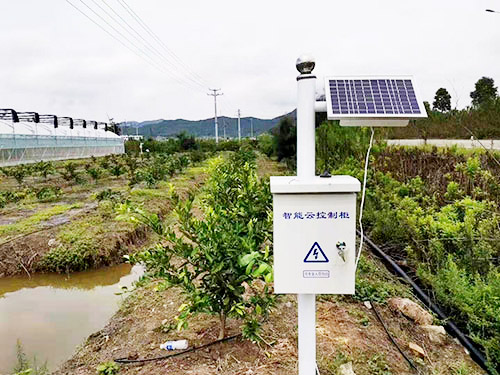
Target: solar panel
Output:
[(371, 100)]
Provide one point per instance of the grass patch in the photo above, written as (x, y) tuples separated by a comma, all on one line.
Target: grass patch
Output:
[(79, 257), (82, 245), (333, 363), (374, 282), (148, 193), (28, 224)]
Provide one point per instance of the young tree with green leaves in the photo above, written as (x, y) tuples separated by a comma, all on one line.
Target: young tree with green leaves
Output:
[(45, 168), (222, 261)]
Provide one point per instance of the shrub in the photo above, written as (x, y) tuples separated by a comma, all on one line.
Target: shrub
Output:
[(286, 141), (45, 168), (48, 193), (7, 197), (117, 170), (70, 172), (109, 194), (196, 156), (186, 141), (228, 145), (19, 172), (335, 144), (448, 233), (108, 368), (79, 256), (266, 144), (95, 173)]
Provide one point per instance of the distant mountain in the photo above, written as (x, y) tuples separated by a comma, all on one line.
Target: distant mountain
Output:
[(202, 128)]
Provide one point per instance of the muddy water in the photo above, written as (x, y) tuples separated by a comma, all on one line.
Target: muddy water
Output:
[(52, 314)]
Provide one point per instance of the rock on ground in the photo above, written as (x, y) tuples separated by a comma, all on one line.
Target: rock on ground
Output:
[(411, 310), (346, 369)]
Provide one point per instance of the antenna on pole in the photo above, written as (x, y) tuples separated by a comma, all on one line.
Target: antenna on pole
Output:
[(239, 125), (215, 94)]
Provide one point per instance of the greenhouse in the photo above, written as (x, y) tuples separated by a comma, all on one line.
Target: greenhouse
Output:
[(28, 138)]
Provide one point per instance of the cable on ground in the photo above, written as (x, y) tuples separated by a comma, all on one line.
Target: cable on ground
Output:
[(379, 318), (168, 356)]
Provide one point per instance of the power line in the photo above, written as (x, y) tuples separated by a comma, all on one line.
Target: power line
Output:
[(139, 20), (144, 49), (121, 34), (110, 34), (137, 36), (133, 48)]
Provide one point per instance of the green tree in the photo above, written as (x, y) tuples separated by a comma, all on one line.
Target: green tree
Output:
[(186, 141), (45, 168), (442, 100), (19, 172), (286, 140), (222, 262), (485, 92), (95, 173), (335, 144)]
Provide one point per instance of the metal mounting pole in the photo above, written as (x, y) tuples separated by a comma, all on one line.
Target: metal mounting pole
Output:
[(306, 165)]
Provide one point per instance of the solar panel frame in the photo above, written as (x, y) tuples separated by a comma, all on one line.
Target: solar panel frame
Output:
[(387, 101)]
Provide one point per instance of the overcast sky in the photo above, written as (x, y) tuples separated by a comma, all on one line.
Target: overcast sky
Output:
[(54, 60)]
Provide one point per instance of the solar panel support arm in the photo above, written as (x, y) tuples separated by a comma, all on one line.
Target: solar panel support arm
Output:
[(320, 107)]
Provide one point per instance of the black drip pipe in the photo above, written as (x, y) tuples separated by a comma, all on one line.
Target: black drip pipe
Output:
[(168, 356), (449, 325), (379, 318)]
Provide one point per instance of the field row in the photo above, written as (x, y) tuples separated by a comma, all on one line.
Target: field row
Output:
[(72, 227)]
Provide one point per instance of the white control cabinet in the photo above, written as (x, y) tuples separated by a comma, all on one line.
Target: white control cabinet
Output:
[(314, 234)]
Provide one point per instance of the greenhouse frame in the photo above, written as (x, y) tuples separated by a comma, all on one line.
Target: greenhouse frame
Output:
[(27, 137)]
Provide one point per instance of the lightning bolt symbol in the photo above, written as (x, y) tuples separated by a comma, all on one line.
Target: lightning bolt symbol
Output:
[(315, 253)]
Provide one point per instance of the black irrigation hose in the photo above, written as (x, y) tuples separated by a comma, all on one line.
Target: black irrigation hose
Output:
[(194, 348), (449, 325), (412, 365)]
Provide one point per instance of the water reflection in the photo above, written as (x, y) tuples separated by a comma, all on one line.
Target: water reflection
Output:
[(81, 280), (53, 314)]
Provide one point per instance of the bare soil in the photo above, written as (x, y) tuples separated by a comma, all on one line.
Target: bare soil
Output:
[(139, 328)]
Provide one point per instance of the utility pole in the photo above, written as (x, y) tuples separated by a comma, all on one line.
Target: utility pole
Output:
[(215, 95), (251, 127), (224, 127), (239, 125)]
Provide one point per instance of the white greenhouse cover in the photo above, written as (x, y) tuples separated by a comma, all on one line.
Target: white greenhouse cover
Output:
[(41, 129), (30, 142)]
